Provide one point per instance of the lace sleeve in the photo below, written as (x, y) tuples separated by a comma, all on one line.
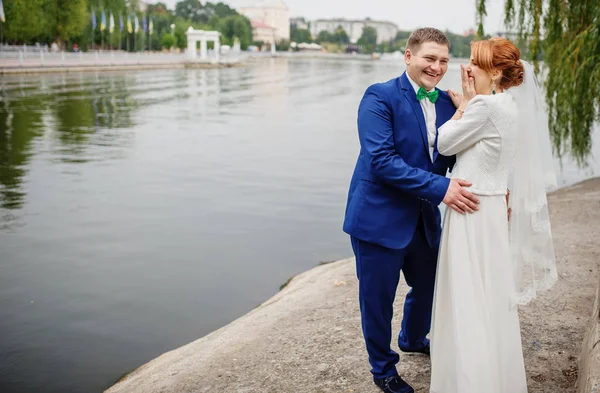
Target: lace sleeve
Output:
[(457, 135)]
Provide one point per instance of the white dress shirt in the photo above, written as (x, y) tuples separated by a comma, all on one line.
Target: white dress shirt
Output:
[(430, 117)]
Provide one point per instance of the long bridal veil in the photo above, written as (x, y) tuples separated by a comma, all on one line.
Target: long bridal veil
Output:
[(534, 264)]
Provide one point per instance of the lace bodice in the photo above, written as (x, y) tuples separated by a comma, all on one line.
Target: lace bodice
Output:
[(484, 143)]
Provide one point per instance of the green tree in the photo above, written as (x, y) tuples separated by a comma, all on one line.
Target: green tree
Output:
[(341, 36), (368, 39), (130, 5), (158, 9), (71, 19), (181, 26), (20, 14), (402, 35), (190, 10), (236, 26), (283, 45), (300, 35), (325, 36), (460, 45), (565, 35), (162, 18), (242, 29), (398, 43), (162, 22), (221, 10), (168, 41)]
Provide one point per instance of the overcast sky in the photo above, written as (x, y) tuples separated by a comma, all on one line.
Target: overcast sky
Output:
[(454, 15)]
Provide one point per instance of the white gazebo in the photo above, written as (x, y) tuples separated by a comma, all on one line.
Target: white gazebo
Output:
[(193, 36)]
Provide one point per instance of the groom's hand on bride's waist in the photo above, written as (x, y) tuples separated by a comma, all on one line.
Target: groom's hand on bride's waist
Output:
[(459, 199)]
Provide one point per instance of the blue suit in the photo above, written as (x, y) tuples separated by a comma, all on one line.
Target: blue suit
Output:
[(393, 218)]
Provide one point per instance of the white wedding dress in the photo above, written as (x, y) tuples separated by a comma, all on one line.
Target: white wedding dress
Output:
[(475, 334)]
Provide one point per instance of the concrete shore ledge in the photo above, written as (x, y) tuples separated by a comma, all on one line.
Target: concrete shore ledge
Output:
[(116, 67), (589, 368), (307, 338)]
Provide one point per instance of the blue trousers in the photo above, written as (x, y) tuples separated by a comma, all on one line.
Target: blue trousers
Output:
[(378, 269)]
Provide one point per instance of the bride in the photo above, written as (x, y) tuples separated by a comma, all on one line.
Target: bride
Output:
[(488, 262)]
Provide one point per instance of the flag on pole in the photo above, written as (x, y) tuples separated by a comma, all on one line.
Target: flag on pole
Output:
[(129, 28), (2, 16), (93, 20), (144, 24), (103, 21), (150, 26), (111, 23), (120, 22), (137, 24)]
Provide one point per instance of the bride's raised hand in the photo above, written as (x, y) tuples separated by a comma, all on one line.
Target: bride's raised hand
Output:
[(468, 84)]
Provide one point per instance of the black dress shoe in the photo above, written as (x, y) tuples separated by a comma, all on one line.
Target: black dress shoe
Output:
[(393, 384), (425, 350)]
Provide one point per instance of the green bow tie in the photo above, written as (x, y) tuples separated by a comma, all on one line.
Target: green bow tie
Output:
[(422, 93)]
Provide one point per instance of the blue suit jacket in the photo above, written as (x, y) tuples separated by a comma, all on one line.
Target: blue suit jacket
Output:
[(394, 180)]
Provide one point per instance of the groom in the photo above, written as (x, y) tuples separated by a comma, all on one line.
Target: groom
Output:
[(392, 213)]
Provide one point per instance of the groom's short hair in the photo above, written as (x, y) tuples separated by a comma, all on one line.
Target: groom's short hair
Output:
[(426, 34)]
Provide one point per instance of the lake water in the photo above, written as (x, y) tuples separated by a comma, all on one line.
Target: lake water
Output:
[(142, 210)]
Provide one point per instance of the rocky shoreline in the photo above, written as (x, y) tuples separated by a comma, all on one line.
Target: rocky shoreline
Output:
[(307, 337)]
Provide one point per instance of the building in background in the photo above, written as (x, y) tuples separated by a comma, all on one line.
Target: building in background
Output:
[(262, 32), (269, 14), (386, 31)]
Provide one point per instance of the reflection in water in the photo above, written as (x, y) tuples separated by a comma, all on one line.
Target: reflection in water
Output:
[(141, 210), (20, 124), (89, 120), (76, 120), (79, 113)]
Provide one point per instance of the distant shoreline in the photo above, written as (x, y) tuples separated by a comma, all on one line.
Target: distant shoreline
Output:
[(52, 64)]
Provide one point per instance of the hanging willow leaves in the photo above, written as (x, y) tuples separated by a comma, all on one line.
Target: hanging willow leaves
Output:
[(563, 37)]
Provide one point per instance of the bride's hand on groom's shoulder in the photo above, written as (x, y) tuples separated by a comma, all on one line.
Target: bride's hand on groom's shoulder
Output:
[(457, 98)]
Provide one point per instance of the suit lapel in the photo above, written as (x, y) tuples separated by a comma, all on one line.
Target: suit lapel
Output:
[(411, 96)]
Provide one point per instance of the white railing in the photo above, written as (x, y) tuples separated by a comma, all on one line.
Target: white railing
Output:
[(23, 48), (104, 58), (42, 58)]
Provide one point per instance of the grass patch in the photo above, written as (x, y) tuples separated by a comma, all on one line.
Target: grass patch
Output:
[(123, 377), (326, 262), (285, 284)]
